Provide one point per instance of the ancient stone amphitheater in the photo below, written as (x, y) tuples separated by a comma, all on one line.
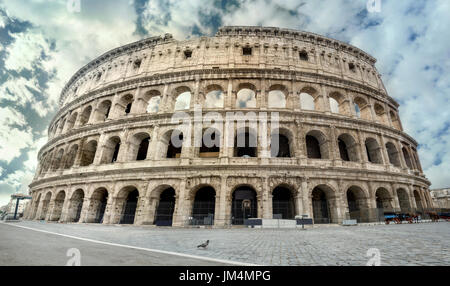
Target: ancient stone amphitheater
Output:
[(342, 154)]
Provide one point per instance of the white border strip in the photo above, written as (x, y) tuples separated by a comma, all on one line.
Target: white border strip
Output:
[(136, 247)]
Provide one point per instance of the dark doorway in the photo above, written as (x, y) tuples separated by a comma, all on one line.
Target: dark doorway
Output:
[(129, 211), (101, 207), (172, 151), (244, 205), (313, 147), (143, 148), (320, 207), (283, 150), (204, 207), (166, 206), (245, 145), (343, 150), (283, 203)]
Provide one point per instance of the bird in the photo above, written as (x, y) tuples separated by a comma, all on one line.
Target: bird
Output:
[(203, 245)]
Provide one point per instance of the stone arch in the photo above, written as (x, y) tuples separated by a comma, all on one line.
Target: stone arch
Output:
[(151, 101), (418, 199), (403, 200), (309, 99), (138, 146), (337, 103), (244, 204), (214, 97), (97, 207), (203, 200), (380, 113), (75, 205), (357, 203), (407, 158), (282, 143), (165, 199), (170, 144), (317, 146), (103, 110), (182, 98), (277, 96), (246, 143), (71, 121), (70, 157), (395, 121), (211, 143), (283, 203), (246, 96), (88, 153), (111, 150), (85, 116), (36, 206), (383, 202), (57, 161), (362, 108), (127, 205), (348, 148), (323, 200), (373, 151), (58, 206), (394, 158)]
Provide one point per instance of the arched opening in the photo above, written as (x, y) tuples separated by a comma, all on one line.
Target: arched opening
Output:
[(244, 205), (111, 151), (88, 155), (45, 205), (276, 99), (70, 158), (338, 104), (210, 144), (130, 206), (357, 204), (283, 206), (280, 146), (204, 206), (99, 200), (395, 120), (320, 205), (245, 144), (334, 105), (362, 109), (316, 145), (348, 148), (175, 145), (214, 98), (75, 206), (152, 100), (103, 110), (124, 104), (85, 115), (403, 200), (246, 96), (165, 208), (418, 199), (57, 209), (380, 113), (57, 161), (373, 151), (307, 101), (138, 146), (393, 154), (407, 158), (383, 202), (183, 101), (71, 121)]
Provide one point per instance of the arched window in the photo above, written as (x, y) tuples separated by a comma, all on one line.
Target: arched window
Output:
[(316, 145), (348, 148), (175, 145), (89, 150), (214, 98), (334, 105), (393, 154), (57, 161), (362, 109), (84, 117), (395, 121), (357, 111), (111, 152), (280, 146), (277, 99), (407, 158), (71, 122), (153, 104), (124, 105), (210, 144), (373, 151), (183, 101), (307, 101), (70, 158), (103, 111), (143, 149), (246, 97), (245, 145)]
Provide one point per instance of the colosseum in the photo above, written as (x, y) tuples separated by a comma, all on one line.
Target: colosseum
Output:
[(341, 154)]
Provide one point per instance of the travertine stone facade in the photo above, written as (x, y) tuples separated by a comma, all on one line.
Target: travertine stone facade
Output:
[(441, 198), (344, 150)]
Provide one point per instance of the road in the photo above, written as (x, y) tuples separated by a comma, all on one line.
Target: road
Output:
[(19, 246)]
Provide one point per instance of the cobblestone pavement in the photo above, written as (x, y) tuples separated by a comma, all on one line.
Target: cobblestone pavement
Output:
[(407, 244)]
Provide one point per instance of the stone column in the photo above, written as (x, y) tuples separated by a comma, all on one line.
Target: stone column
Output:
[(221, 211), (180, 213), (306, 198), (266, 200)]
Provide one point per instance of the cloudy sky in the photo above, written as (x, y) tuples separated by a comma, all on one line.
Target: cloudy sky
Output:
[(43, 43)]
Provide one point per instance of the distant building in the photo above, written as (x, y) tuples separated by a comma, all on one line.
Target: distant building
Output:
[(441, 198), (11, 206)]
